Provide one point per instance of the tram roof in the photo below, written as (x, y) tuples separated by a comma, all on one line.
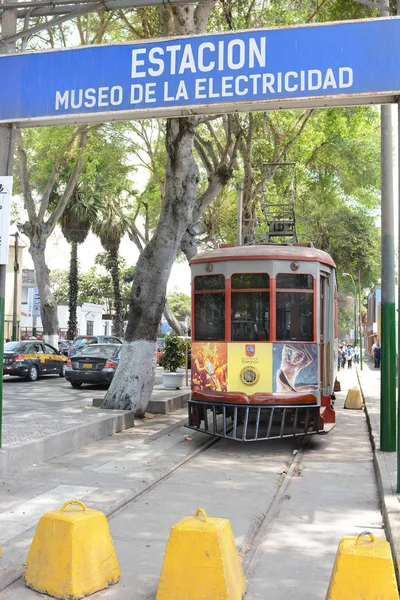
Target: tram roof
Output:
[(265, 251)]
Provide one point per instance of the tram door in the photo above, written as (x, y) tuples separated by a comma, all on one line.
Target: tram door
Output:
[(325, 340)]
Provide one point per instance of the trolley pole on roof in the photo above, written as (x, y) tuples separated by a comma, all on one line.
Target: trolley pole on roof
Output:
[(388, 310)]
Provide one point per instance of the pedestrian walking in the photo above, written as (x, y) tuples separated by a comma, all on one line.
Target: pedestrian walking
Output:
[(357, 354), (376, 349), (340, 350), (344, 356), (350, 354)]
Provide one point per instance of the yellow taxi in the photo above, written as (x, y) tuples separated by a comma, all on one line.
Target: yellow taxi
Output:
[(32, 358)]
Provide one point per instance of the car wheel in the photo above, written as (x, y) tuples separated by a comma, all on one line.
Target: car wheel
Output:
[(76, 384), (63, 369), (32, 374)]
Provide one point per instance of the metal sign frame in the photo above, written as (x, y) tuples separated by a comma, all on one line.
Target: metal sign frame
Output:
[(316, 65)]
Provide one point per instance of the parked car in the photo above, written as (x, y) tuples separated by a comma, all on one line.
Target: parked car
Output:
[(94, 363), (64, 346), (30, 359), (84, 340)]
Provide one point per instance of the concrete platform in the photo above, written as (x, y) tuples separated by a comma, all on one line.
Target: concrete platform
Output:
[(162, 401), (333, 492), (32, 437)]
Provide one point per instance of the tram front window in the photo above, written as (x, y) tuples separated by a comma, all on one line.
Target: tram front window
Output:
[(294, 308), (250, 307), (209, 308)]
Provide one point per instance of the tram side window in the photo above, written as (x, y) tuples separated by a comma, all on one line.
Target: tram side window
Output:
[(209, 307), (294, 307), (250, 307)]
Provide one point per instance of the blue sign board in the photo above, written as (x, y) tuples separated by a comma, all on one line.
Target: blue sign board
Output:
[(320, 65)]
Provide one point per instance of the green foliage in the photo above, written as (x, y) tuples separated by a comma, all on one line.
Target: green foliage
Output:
[(59, 285), (180, 304), (106, 167), (174, 353), (95, 286), (337, 183)]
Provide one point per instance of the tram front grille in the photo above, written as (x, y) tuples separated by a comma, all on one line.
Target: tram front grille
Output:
[(249, 423)]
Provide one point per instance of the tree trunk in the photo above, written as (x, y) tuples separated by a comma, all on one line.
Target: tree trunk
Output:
[(48, 306), (133, 383), (73, 293), (171, 319), (118, 322)]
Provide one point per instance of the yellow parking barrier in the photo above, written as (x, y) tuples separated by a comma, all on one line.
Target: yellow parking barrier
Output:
[(363, 569), (72, 554), (353, 399), (201, 561)]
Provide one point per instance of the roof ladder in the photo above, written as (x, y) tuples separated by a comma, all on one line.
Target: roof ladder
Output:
[(277, 206)]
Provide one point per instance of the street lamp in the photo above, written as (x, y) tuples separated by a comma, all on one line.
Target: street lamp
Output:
[(355, 305)]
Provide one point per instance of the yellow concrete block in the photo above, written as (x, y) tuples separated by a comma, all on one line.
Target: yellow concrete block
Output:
[(363, 570), (72, 554), (353, 399), (201, 561)]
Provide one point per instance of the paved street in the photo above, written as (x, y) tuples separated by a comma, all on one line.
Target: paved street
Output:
[(21, 396), (49, 405)]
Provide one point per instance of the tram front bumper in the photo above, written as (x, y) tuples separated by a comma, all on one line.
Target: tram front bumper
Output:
[(251, 422)]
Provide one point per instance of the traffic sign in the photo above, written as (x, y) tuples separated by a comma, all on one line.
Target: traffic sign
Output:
[(335, 64), (5, 212)]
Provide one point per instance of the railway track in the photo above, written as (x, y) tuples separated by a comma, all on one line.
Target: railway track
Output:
[(193, 462), (256, 486)]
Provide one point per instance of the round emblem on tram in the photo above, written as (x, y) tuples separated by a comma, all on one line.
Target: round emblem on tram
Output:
[(249, 375)]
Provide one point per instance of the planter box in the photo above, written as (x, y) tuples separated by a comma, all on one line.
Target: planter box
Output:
[(173, 381)]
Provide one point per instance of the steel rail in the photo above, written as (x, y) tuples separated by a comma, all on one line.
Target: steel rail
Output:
[(253, 546), (209, 443)]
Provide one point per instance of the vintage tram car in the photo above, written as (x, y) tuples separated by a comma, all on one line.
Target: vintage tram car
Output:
[(264, 338)]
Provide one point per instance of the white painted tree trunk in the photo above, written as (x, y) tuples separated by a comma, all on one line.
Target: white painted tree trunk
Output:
[(134, 377), (48, 306)]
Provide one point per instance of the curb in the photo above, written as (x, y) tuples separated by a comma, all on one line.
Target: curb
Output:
[(169, 405), (20, 457), (158, 406), (389, 501)]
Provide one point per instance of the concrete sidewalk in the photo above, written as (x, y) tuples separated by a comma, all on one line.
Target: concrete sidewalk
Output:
[(33, 436), (385, 462), (333, 493)]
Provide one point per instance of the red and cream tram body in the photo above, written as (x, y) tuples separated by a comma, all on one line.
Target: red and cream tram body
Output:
[(264, 337)]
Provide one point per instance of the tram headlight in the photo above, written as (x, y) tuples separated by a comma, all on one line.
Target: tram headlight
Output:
[(249, 375)]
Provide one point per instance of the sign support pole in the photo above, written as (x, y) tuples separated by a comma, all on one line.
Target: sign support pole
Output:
[(360, 321), (388, 310), (398, 292), (15, 298), (9, 27)]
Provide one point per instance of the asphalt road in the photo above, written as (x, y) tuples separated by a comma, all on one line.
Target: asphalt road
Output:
[(20, 395)]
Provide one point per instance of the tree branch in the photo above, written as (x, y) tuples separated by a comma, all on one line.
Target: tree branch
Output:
[(44, 204), (69, 188), (29, 203)]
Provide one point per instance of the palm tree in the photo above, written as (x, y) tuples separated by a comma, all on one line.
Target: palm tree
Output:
[(76, 222), (110, 228)]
